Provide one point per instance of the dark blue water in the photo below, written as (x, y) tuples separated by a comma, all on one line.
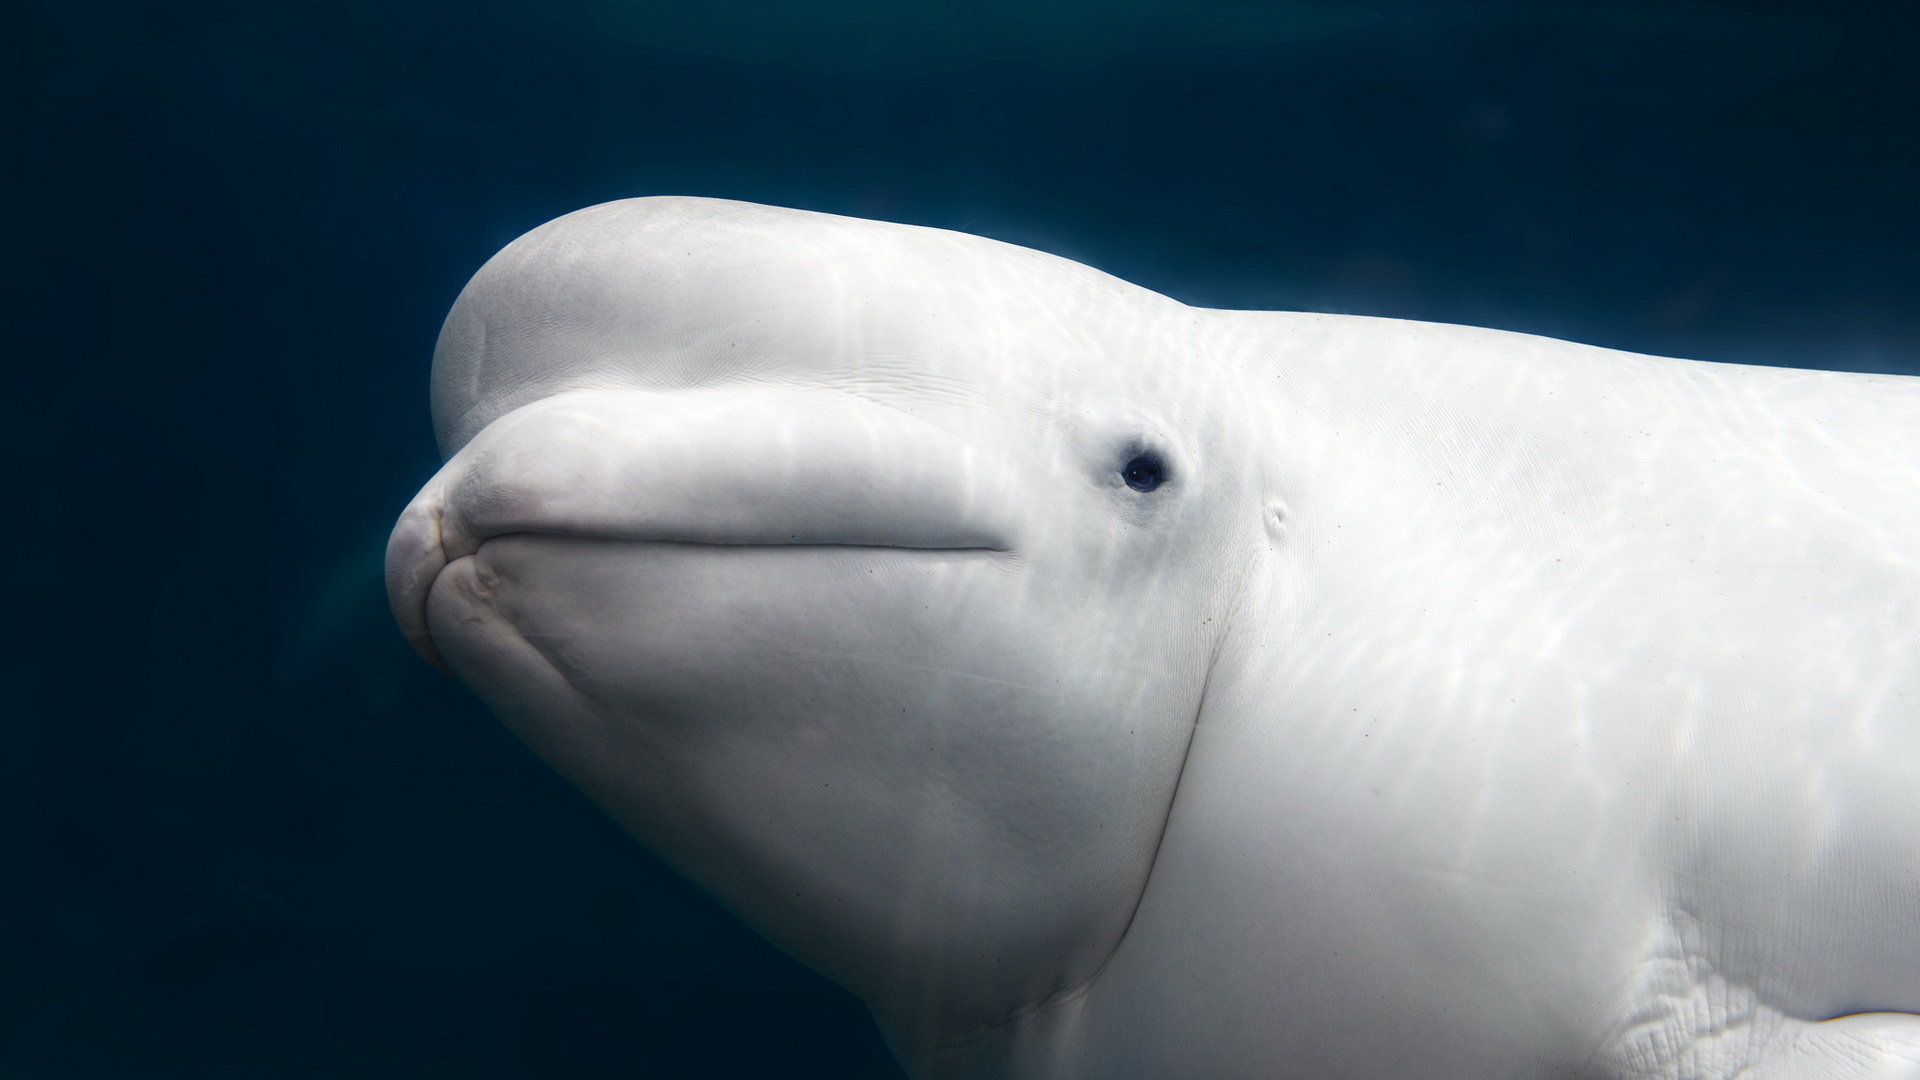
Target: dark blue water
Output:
[(244, 832)]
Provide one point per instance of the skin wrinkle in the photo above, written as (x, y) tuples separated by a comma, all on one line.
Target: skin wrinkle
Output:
[(1072, 993), (1228, 618), (469, 564)]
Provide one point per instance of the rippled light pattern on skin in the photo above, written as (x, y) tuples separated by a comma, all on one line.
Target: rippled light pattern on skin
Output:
[(1099, 686)]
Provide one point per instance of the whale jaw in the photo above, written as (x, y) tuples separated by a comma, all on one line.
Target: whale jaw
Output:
[(835, 665)]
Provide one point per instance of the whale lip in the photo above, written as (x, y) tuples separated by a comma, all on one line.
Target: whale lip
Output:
[(418, 552), (715, 468)]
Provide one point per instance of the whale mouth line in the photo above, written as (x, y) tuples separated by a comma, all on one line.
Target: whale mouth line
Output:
[(756, 543), (418, 556)]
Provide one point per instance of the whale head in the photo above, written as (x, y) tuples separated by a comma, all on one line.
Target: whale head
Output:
[(871, 575)]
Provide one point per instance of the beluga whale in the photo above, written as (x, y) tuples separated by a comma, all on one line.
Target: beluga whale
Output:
[(1099, 686)]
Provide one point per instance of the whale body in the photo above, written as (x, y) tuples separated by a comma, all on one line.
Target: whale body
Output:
[(1103, 687)]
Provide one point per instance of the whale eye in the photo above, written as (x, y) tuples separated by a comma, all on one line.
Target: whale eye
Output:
[(1144, 473)]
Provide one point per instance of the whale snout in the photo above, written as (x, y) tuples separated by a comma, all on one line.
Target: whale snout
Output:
[(716, 467)]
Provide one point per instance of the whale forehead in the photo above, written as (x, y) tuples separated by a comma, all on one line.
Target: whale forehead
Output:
[(667, 293)]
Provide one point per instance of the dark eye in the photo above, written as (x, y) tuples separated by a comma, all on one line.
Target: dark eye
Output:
[(1144, 473)]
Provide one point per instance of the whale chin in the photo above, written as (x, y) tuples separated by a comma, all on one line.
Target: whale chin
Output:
[(745, 710)]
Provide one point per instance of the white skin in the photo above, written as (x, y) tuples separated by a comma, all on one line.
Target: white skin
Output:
[(1449, 703)]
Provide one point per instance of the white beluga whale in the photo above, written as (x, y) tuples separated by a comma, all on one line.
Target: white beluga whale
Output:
[(1103, 687)]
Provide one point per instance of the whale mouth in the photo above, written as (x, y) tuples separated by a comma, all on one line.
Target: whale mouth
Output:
[(717, 468)]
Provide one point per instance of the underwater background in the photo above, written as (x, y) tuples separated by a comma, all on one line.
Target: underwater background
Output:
[(245, 832)]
